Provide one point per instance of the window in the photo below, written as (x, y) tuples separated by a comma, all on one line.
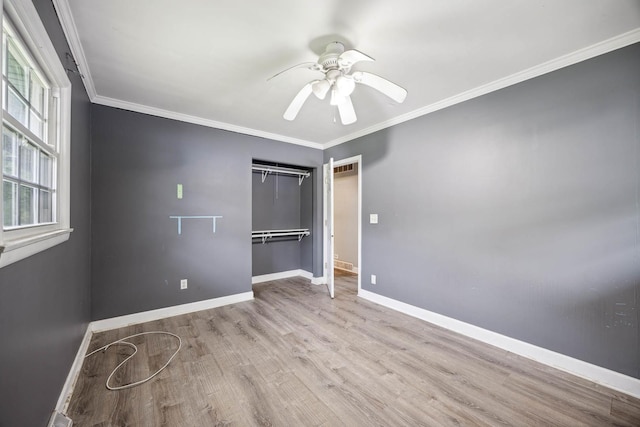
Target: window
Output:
[(35, 137)]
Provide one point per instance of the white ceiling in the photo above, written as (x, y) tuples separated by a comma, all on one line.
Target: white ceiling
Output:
[(208, 62)]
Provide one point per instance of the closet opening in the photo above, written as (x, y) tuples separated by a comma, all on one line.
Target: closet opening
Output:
[(282, 220)]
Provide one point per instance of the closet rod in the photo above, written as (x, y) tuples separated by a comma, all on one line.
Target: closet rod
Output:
[(266, 170), (266, 234)]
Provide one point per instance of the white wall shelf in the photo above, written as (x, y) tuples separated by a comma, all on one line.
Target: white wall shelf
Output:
[(181, 217)]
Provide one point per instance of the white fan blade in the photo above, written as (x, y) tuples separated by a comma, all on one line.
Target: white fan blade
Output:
[(313, 66), (350, 57), (347, 113), (390, 89), (298, 101)]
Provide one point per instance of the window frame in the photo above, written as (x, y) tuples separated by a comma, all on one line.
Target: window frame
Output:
[(22, 242)]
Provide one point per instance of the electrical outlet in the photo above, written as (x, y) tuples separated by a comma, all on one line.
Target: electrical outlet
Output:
[(335, 256), (183, 284), (373, 279)]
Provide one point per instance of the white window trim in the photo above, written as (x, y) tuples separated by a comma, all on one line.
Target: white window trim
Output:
[(19, 244)]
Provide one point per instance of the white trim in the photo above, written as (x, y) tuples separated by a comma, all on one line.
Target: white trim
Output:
[(161, 313), (18, 244), (71, 33), (580, 55), (596, 374), (314, 280), (33, 34), (67, 390), (275, 276), (18, 249), (286, 275), (64, 157), (159, 112), (354, 270), (328, 231)]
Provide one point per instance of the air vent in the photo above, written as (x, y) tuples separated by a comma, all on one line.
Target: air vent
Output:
[(343, 169)]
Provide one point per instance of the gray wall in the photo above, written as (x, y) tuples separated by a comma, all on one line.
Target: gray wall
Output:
[(280, 203), (517, 211), (138, 257), (45, 299)]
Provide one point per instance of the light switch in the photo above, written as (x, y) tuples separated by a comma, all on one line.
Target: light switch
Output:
[(179, 191), (373, 218)]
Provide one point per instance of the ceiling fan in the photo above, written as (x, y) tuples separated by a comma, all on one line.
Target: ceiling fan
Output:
[(336, 63)]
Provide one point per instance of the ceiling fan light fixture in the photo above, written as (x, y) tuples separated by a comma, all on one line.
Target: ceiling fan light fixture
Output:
[(345, 85), (320, 88)]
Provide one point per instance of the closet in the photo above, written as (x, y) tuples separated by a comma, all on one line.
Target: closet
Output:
[(282, 218)]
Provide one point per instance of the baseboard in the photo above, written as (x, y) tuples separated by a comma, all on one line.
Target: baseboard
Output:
[(74, 372), (275, 276), (286, 275), (161, 313), (594, 373), (353, 270), (314, 280)]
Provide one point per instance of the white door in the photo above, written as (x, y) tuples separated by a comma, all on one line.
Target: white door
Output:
[(328, 226)]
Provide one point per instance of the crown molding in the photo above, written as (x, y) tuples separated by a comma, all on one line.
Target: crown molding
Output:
[(575, 57), (159, 112), (71, 32), (73, 39)]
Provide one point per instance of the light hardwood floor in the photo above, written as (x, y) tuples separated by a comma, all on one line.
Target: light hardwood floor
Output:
[(294, 357)]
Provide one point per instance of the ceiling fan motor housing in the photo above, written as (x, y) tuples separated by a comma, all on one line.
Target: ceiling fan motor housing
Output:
[(329, 59)]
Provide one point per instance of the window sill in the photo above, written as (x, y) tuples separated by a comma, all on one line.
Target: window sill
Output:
[(20, 248)]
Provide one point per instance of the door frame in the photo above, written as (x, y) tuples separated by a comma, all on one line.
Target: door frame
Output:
[(346, 161), (327, 227)]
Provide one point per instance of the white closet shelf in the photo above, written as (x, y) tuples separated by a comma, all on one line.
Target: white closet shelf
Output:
[(266, 234), (266, 170)]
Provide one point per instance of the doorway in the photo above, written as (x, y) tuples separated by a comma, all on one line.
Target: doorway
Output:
[(343, 257)]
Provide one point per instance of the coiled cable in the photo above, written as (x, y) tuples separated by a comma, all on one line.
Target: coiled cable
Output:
[(123, 341)]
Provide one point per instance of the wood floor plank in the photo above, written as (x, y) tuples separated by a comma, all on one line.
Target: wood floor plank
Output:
[(626, 409), (293, 356)]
